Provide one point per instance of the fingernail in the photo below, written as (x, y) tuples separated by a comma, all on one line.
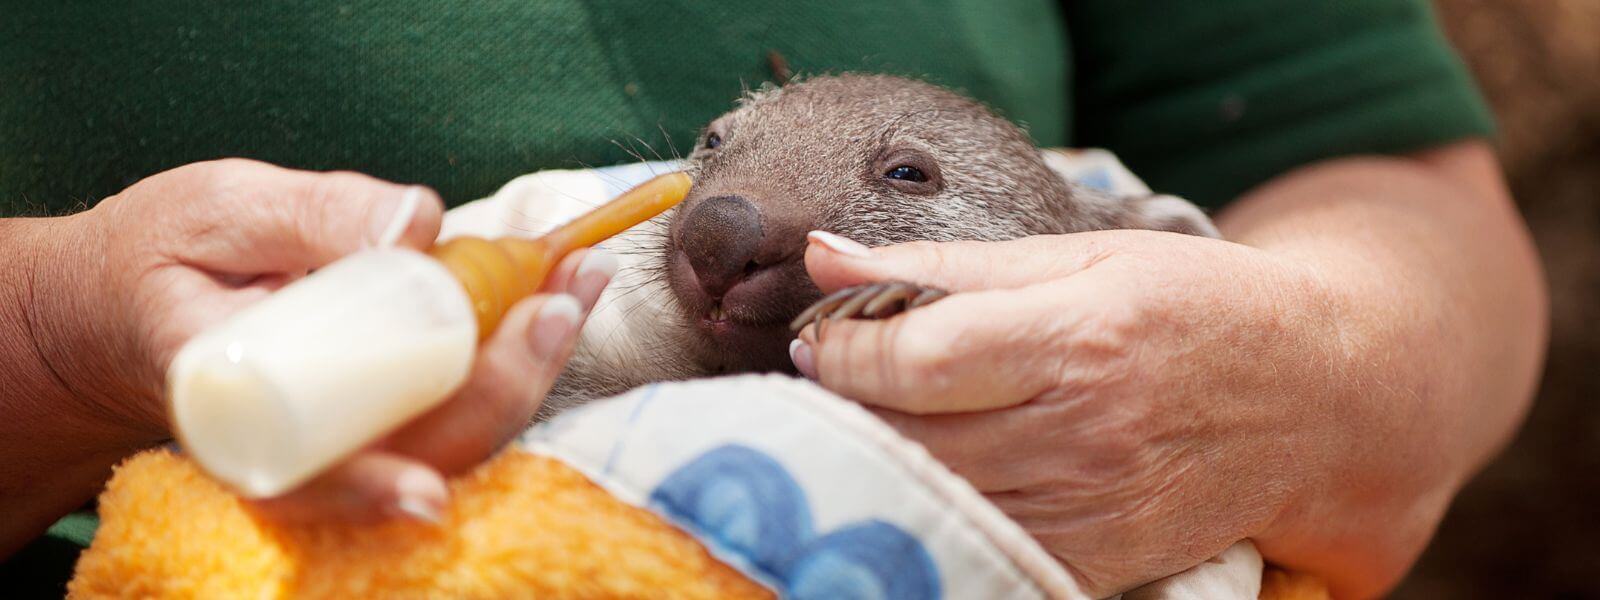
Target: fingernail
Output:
[(555, 324), (399, 221), (421, 495), (800, 353), (840, 244), (594, 274)]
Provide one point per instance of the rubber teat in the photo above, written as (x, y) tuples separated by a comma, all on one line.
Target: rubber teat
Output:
[(498, 273)]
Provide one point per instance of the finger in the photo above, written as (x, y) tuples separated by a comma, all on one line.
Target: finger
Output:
[(584, 274), (835, 262), (973, 351), (371, 486), (513, 373), (257, 218)]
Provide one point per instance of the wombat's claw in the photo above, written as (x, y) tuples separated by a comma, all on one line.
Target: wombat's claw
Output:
[(868, 301)]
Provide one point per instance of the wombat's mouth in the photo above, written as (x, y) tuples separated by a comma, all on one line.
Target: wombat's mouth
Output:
[(732, 344), (745, 326), (717, 315)]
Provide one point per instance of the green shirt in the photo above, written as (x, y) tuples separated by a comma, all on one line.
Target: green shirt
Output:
[(1202, 99)]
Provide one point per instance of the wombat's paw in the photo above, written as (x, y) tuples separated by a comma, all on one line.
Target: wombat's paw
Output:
[(868, 301)]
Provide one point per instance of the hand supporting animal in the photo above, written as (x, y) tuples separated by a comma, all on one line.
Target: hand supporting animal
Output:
[(877, 159)]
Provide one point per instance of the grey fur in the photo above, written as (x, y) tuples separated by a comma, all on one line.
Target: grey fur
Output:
[(812, 155)]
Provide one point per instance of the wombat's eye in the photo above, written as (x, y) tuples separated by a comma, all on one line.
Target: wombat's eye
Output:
[(906, 173), (713, 141)]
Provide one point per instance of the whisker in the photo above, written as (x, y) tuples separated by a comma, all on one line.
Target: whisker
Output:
[(647, 146), (628, 149), (670, 146)]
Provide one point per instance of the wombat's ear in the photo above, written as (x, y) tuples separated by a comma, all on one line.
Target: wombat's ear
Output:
[(1160, 212)]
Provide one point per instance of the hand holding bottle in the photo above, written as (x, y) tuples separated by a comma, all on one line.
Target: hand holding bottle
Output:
[(106, 298)]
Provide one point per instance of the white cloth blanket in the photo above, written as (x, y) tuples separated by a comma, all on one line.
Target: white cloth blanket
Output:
[(799, 489)]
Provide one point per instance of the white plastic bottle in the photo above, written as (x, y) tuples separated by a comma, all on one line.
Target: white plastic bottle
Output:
[(269, 398), (286, 388)]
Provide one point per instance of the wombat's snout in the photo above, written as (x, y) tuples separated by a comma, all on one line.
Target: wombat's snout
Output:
[(721, 237), (737, 267)]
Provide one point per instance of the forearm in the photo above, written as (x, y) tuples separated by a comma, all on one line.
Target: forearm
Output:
[(53, 455), (1436, 296)]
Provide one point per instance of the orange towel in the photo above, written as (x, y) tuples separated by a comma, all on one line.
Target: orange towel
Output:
[(520, 526)]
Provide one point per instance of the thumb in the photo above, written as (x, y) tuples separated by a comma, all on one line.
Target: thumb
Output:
[(370, 486), (836, 262), (259, 218)]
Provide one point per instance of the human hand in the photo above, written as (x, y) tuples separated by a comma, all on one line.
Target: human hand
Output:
[(143, 271), (1137, 401)]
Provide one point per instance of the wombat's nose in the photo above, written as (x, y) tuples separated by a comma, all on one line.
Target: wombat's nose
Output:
[(721, 237)]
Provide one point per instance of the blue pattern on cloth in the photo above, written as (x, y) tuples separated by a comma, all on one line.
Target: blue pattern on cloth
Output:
[(872, 559), (800, 490), (746, 503)]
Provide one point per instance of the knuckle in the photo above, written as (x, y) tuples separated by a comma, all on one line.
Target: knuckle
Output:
[(226, 179), (329, 188), (348, 183), (858, 359), (334, 194), (1115, 452), (1105, 338), (222, 178), (939, 259), (921, 354), (232, 164), (329, 197), (923, 364), (1124, 434), (921, 247), (927, 256)]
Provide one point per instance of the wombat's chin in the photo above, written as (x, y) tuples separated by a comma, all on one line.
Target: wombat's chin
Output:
[(731, 347)]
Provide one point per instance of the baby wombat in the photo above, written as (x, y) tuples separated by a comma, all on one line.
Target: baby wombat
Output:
[(876, 159)]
